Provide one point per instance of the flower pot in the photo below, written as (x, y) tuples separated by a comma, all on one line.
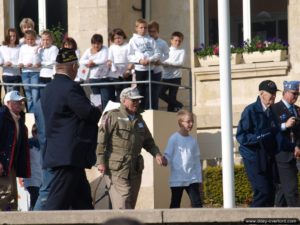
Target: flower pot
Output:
[(266, 56), (236, 58)]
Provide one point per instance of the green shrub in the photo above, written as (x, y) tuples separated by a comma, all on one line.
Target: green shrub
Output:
[(58, 35), (213, 189)]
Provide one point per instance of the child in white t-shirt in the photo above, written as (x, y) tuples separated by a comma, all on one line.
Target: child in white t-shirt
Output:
[(172, 74), (48, 53), (183, 156), (120, 68), (9, 53), (30, 63)]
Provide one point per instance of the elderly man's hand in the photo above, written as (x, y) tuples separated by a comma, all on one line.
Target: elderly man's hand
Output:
[(101, 168), (290, 122), (297, 152), (161, 160)]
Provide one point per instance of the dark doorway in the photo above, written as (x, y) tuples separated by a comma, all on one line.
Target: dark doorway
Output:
[(56, 13)]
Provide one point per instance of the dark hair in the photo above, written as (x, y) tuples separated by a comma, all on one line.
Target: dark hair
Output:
[(177, 34), (122, 221), (153, 24), (97, 38), (7, 37), (47, 33), (71, 41), (30, 32), (117, 31)]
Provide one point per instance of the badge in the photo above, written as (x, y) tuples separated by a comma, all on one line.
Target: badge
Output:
[(140, 125)]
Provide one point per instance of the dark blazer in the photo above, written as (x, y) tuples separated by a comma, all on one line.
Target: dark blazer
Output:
[(70, 124), (282, 113)]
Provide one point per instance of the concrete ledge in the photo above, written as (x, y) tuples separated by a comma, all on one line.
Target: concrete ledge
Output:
[(157, 216)]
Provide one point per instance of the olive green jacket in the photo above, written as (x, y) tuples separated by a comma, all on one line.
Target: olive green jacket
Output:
[(120, 142)]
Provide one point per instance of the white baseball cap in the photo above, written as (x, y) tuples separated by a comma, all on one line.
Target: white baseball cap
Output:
[(131, 93), (13, 96)]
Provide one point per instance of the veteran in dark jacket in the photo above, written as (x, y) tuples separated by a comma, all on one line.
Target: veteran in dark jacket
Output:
[(14, 149), (71, 136), (122, 135), (257, 134), (288, 115)]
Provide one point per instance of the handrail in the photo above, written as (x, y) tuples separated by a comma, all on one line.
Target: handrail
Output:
[(149, 82)]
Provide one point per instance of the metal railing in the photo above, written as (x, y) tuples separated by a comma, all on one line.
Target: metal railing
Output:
[(149, 82)]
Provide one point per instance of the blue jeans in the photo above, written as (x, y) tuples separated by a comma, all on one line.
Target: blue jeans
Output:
[(107, 92), (32, 93), (48, 176)]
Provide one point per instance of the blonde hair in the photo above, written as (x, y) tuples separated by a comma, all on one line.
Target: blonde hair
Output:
[(140, 21), (27, 21), (183, 112)]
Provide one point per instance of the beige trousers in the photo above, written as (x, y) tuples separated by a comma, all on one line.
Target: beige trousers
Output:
[(8, 192), (123, 192)]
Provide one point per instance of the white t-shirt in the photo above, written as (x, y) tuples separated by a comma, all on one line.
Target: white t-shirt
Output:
[(163, 49), (100, 59), (29, 54), (9, 54), (48, 57), (118, 55), (176, 58), (183, 157)]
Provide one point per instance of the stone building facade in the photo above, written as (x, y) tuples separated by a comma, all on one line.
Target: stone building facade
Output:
[(197, 20)]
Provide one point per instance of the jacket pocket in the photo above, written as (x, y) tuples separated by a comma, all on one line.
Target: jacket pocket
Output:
[(115, 161)]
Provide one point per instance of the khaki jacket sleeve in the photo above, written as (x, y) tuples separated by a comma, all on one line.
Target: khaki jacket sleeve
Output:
[(104, 134)]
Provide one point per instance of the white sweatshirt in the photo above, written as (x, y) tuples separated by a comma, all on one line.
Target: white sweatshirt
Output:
[(176, 58), (48, 57), (29, 54), (100, 58), (183, 157), (163, 49), (9, 54), (117, 54), (142, 47)]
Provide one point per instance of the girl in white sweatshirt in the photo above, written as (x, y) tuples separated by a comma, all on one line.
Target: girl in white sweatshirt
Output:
[(9, 53)]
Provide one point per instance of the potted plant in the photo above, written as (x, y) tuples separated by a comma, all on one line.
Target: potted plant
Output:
[(257, 50), (209, 56)]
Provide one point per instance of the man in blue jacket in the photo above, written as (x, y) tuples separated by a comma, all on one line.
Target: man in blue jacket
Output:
[(257, 134), (71, 136)]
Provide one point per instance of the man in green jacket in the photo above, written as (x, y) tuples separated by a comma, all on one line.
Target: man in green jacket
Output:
[(122, 135)]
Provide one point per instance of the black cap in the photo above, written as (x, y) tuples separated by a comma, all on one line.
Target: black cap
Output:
[(66, 55), (269, 86)]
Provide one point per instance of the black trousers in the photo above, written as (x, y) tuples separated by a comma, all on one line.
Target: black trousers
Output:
[(171, 97), (144, 89), (70, 189), (287, 193), (193, 193)]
